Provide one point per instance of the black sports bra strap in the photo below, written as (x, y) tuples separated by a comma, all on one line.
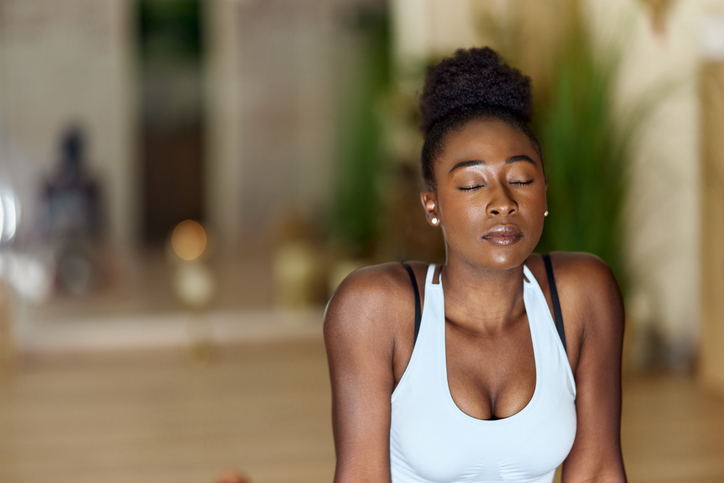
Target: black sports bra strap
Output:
[(554, 297), (418, 310)]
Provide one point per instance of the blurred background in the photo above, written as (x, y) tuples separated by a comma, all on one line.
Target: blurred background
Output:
[(183, 183)]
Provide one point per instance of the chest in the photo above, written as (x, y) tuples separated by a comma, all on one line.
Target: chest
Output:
[(436, 436), (493, 376), (439, 430)]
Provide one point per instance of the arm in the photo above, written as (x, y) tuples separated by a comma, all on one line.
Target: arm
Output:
[(596, 302), (358, 334)]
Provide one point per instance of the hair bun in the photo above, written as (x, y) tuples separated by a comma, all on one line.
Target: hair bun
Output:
[(471, 77)]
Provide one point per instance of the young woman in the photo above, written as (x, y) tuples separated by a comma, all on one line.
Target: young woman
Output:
[(466, 372)]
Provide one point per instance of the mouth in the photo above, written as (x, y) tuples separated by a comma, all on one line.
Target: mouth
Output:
[(503, 235)]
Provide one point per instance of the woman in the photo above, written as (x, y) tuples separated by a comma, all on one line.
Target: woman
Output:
[(478, 381)]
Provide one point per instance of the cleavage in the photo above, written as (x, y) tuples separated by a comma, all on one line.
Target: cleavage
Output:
[(490, 377)]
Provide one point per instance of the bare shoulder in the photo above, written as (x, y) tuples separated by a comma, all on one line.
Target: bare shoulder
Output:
[(371, 299), (370, 289), (585, 278), (590, 300), (575, 272)]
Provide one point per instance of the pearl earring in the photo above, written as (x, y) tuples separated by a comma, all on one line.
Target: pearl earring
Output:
[(434, 220), (546, 213)]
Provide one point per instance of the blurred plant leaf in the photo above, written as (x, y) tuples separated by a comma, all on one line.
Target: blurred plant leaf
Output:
[(361, 150), (588, 148)]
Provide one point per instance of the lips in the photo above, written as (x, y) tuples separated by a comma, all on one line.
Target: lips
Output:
[(503, 235)]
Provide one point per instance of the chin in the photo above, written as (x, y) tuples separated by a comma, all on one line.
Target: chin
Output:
[(491, 261), (492, 257), (506, 263), (506, 259)]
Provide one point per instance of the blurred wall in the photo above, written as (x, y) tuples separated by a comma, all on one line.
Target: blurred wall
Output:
[(711, 357), (224, 117), (274, 76), (3, 54), (664, 210), (67, 62), (428, 27)]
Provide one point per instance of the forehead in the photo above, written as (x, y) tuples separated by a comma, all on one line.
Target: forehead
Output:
[(487, 140)]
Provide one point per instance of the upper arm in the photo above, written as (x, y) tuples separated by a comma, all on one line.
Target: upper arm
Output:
[(597, 304), (359, 338)]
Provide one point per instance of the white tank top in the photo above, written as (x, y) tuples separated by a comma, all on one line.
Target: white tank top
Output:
[(432, 440)]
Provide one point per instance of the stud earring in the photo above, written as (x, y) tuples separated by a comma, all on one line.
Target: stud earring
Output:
[(434, 220), (546, 213)]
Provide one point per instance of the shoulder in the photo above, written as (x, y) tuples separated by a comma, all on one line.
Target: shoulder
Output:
[(589, 296), (372, 299), (370, 288), (586, 279), (580, 276)]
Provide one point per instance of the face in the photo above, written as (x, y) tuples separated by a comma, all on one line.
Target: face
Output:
[(490, 195)]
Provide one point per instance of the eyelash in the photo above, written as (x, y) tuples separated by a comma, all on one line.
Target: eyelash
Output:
[(517, 183)]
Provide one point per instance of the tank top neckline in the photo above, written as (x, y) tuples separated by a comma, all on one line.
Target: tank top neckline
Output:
[(528, 281)]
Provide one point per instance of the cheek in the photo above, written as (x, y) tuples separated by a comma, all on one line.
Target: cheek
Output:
[(536, 209), (460, 212), (535, 201)]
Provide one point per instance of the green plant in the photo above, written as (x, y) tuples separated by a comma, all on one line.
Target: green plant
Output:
[(588, 148), (170, 28), (360, 167)]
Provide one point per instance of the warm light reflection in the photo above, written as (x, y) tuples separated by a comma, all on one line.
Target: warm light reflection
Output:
[(188, 240)]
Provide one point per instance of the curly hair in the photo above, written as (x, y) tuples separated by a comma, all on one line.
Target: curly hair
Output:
[(472, 84)]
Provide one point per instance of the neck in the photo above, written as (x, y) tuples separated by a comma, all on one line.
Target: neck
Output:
[(487, 301)]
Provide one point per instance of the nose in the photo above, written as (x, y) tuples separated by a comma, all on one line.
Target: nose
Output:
[(501, 203)]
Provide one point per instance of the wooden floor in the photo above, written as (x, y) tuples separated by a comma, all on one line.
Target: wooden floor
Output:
[(264, 409), (672, 432)]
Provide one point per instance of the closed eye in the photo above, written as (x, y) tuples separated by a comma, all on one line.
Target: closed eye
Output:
[(470, 188), (521, 183)]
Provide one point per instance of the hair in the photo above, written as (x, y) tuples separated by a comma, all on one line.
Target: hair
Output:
[(472, 84)]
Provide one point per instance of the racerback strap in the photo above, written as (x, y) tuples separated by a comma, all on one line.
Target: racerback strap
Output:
[(554, 298), (418, 310)]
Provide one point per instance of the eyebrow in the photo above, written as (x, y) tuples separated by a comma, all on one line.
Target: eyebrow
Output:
[(477, 162)]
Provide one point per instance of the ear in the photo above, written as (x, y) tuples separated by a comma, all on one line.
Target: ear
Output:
[(429, 204)]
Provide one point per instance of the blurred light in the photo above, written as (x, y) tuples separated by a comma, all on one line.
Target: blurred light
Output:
[(8, 215), (712, 38), (189, 240), (31, 278), (12, 215), (194, 285), (2, 217)]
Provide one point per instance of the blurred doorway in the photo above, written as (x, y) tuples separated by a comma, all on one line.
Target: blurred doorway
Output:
[(172, 130)]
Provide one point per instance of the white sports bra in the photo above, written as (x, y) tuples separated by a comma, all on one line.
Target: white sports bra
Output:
[(432, 440)]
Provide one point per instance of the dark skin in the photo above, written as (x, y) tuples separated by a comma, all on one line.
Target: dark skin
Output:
[(489, 199)]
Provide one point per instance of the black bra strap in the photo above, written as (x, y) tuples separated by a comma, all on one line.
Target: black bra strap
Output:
[(418, 311), (554, 297)]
